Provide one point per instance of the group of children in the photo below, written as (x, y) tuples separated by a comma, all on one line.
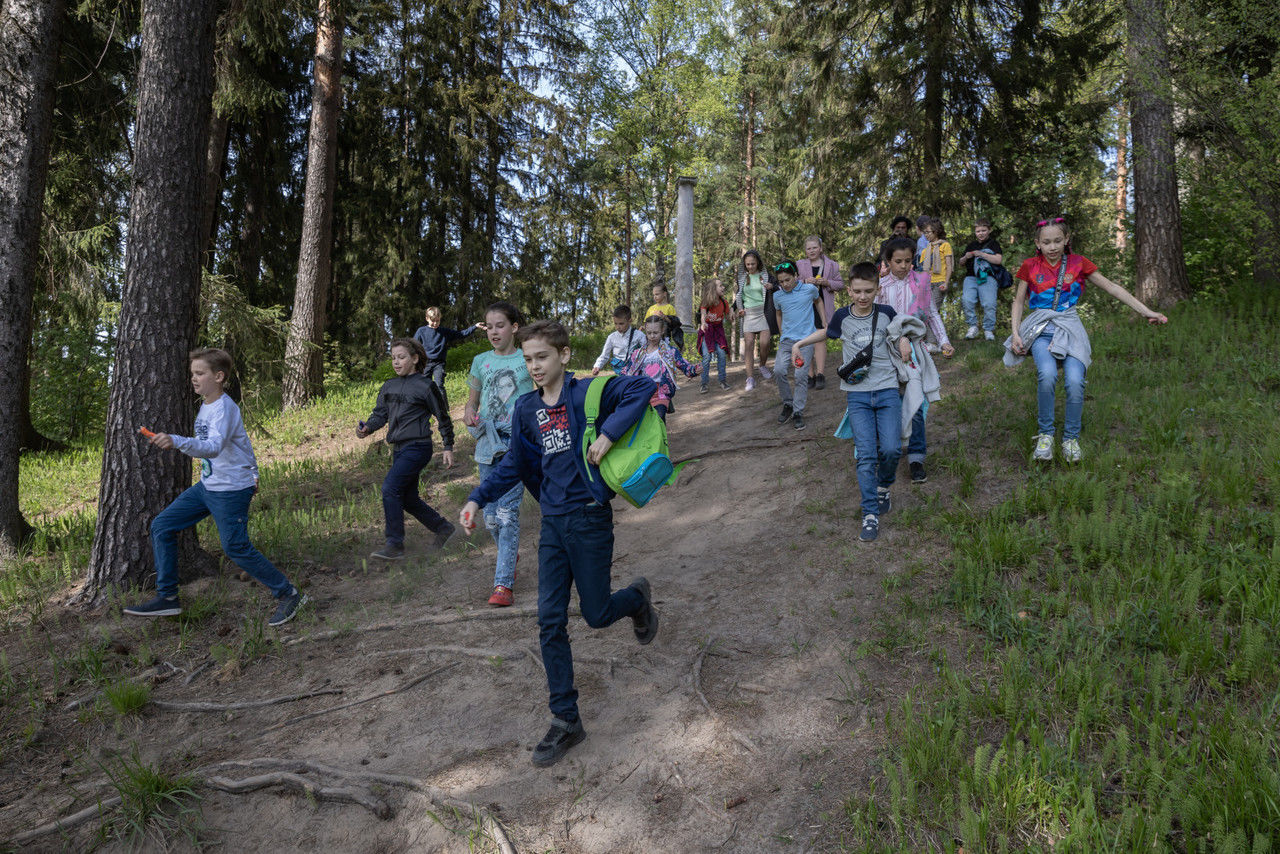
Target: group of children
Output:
[(528, 415)]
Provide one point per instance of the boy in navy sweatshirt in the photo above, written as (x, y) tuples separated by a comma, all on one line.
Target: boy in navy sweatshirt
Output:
[(435, 340), (576, 542)]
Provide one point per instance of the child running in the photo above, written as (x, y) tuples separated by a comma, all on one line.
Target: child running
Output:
[(979, 257), (797, 304), (621, 341), (435, 340), (874, 407), (406, 404), (659, 360), (908, 292), (496, 380), (576, 541), (1052, 281), (228, 481), (711, 337)]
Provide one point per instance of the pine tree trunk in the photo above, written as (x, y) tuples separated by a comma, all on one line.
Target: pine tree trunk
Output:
[(304, 356), (160, 304), (936, 55), (1160, 270), (1122, 174), (29, 36)]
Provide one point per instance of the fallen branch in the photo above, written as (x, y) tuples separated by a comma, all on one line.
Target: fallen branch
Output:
[(405, 687), (697, 690), (196, 673), (65, 824), (429, 620), (245, 704)]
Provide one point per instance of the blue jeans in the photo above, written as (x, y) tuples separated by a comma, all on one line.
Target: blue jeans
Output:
[(917, 449), (575, 548), (718, 352), (230, 512), (875, 417), (1073, 372), (400, 492), (783, 364), (502, 518), (986, 293)]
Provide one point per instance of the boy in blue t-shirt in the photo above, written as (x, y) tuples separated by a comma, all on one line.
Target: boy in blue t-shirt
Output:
[(796, 303), (576, 541)]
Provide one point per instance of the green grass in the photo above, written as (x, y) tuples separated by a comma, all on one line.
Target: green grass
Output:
[(155, 807), (1123, 685)]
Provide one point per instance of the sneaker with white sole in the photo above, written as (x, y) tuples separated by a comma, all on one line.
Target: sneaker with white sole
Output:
[(157, 607), (989, 335), (287, 608), (765, 373), (751, 384), (870, 528), (1071, 450), (884, 500), (389, 552), (1044, 448), (971, 334)]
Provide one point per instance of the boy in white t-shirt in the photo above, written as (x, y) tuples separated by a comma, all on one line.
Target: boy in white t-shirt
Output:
[(228, 481), (621, 341)]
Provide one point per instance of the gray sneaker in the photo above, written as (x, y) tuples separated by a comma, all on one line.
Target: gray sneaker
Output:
[(287, 608), (389, 552), (157, 607), (1044, 448)]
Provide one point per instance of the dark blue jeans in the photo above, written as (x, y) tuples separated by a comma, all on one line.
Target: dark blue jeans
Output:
[(875, 417), (400, 492), (917, 450), (575, 548), (435, 370), (230, 511)]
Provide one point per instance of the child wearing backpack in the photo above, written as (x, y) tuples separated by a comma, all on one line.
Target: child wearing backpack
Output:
[(1052, 282), (496, 380), (980, 259), (575, 547), (621, 341), (659, 360), (228, 482), (406, 404)]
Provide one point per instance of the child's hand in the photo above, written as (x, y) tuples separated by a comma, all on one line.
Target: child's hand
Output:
[(446, 459), (1015, 344), (948, 351), (904, 349), (163, 441), (942, 287), (467, 518), (598, 449), (470, 417), (361, 432), (481, 325), (595, 372), (742, 312), (1157, 318)]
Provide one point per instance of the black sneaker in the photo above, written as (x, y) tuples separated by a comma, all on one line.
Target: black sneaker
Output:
[(819, 382), (157, 607), (785, 415), (389, 552), (443, 535), (870, 528), (813, 382), (884, 501), (798, 421), (646, 619), (287, 608), (556, 743), (918, 474), (724, 386)]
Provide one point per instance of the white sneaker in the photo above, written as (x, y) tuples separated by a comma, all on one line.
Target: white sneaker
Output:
[(1044, 448), (1071, 450), (989, 335), (765, 373), (751, 383), (971, 334)]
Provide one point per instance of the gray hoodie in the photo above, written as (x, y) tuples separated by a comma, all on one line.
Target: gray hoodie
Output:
[(921, 382), (1069, 337)]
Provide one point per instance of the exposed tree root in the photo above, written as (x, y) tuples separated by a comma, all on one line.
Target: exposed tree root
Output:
[(742, 449), (405, 687), (67, 823), (702, 698), (429, 620), (337, 794), (245, 704)]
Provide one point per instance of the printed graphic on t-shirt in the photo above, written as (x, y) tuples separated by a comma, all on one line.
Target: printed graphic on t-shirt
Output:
[(553, 428)]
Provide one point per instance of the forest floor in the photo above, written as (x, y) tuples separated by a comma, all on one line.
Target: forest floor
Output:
[(746, 726)]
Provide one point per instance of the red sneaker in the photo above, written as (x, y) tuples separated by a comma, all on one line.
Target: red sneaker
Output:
[(502, 597)]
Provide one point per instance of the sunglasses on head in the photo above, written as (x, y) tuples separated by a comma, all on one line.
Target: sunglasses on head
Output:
[(1057, 220)]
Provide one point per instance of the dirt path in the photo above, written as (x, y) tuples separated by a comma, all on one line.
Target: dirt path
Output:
[(743, 727)]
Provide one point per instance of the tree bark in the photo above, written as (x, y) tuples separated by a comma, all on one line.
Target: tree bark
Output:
[(29, 37), (1122, 174), (160, 304), (1161, 272), (304, 356)]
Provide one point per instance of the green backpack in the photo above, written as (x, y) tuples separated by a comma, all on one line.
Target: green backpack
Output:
[(637, 465)]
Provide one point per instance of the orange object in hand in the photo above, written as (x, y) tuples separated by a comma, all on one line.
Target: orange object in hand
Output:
[(799, 360), (144, 431)]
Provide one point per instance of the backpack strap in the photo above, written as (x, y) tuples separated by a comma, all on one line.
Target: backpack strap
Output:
[(591, 411), (1062, 277)]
